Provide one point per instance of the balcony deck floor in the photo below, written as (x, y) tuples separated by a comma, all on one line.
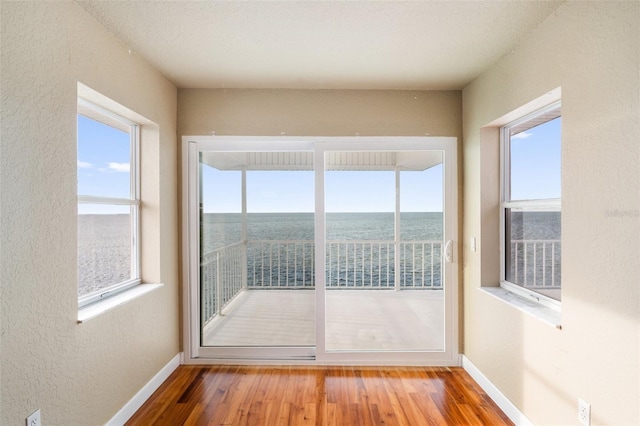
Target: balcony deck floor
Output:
[(355, 320)]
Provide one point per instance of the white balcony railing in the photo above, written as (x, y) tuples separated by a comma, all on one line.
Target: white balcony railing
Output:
[(536, 263), (289, 264), (280, 264), (276, 264), (221, 275), (350, 264)]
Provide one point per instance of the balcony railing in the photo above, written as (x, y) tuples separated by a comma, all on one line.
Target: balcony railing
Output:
[(279, 264), (536, 264), (221, 278), (289, 264)]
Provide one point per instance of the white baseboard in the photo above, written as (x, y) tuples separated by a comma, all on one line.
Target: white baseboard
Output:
[(143, 394), (494, 393)]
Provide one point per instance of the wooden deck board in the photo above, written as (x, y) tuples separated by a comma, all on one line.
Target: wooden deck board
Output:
[(355, 320)]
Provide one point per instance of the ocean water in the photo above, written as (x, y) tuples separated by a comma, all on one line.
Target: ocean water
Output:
[(104, 257), (535, 248), (360, 252), (222, 229), (359, 248)]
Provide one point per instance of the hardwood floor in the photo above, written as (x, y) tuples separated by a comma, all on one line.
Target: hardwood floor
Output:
[(295, 395)]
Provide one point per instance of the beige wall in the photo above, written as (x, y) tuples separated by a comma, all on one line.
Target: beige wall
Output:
[(82, 374), (324, 113), (77, 374), (319, 112), (590, 50)]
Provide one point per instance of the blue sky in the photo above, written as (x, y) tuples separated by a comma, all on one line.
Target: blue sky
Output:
[(104, 157), (536, 162), (103, 164), (293, 191)]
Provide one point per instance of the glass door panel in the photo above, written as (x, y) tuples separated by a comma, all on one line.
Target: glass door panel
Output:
[(256, 250), (328, 250), (384, 243)]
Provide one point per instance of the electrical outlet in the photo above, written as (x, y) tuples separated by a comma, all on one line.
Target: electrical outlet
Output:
[(34, 419), (584, 413)]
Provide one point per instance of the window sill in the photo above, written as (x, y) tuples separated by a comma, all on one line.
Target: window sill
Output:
[(537, 310), (98, 308)]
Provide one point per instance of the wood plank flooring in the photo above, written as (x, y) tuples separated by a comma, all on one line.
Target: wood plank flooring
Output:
[(301, 395)]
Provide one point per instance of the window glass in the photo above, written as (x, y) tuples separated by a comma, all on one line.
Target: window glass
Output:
[(104, 247), (535, 162), (533, 255), (348, 194), (104, 159), (108, 203), (531, 205), (421, 204)]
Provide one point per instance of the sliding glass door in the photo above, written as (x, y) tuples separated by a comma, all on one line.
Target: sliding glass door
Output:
[(328, 250), (384, 241), (255, 241)]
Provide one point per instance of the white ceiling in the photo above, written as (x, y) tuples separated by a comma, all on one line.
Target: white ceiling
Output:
[(321, 44)]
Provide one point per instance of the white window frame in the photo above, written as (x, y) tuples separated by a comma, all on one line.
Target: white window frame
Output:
[(97, 113), (507, 203)]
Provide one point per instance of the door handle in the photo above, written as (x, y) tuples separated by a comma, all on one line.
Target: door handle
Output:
[(448, 251)]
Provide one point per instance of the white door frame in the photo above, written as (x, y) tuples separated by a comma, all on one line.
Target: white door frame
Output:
[(195, 354)]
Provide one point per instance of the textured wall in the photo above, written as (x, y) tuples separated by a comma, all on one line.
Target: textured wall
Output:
[(591, 50), (319, 112), (76, 374)]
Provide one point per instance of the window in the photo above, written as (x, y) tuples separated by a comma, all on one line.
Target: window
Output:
[(530, 205), (108, 203)]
